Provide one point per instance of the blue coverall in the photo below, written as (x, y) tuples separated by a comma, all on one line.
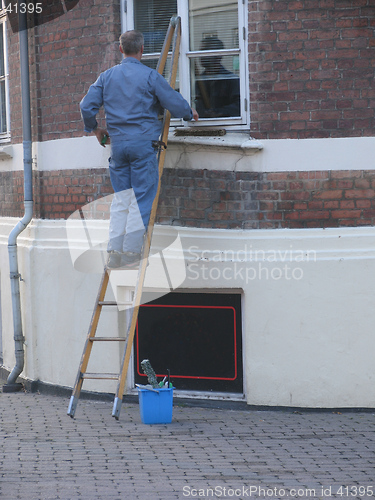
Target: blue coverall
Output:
[(132, 95)]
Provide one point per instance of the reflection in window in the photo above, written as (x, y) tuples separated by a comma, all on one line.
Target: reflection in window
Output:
[(216, 89), (215, 82), (217, 19)]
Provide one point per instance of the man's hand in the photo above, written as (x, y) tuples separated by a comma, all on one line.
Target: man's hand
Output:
[(102, 136), (195, 114)]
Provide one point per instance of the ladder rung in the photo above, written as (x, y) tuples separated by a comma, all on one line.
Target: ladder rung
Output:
[(108, 339), (113, 303), (99, 376)]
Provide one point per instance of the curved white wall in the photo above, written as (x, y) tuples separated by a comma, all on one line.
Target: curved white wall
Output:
[(308, 310)]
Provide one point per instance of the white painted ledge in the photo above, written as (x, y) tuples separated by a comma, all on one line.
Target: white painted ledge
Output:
[(234, 152), (6, 152), (349, 153), (237, 141), (230, 153)]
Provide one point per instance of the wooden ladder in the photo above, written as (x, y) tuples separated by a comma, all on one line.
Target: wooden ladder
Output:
[(173, 37)]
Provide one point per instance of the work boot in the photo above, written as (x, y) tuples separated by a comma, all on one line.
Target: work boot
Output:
[(130, 260), (114, 259)]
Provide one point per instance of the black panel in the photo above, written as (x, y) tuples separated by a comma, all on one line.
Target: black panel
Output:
[(197, 336)]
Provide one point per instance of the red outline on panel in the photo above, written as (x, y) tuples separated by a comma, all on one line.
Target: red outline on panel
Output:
[(195, 377)]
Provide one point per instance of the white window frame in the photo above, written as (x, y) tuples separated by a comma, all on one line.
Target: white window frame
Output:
[(5, 136), (242, 123)]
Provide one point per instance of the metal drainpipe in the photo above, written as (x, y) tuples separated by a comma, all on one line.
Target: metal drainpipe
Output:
[(11, 385)]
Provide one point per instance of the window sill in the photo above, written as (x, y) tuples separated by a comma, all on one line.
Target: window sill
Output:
[(6, 152), (232, 140)]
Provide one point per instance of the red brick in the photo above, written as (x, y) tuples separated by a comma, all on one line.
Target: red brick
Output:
[(267, 196), (345, 214), (192, 214), (362, 183), (347, 204), (363, 203), (315, 205), (314, 214), (295, 195), (279, 176), (329, 195), (292, 216), (331, 204), (300, 206), (345, 184), (359, 193), (344, 174)]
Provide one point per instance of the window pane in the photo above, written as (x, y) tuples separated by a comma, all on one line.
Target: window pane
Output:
[(215, 86), (217, 19), (3, 115), (2, 70), (152, 17)]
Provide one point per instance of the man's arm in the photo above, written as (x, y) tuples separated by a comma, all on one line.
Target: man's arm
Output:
[(90, 106)]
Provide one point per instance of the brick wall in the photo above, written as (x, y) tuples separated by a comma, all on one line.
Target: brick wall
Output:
[(14, 86), (213, 199), (310, 63), (66, 56), (311, 68), (56, 194)]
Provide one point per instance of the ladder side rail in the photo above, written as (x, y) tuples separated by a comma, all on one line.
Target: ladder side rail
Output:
[(175, 52), (88, 344)]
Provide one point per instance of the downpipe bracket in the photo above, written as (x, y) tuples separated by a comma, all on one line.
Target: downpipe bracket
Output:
[(16, 276)]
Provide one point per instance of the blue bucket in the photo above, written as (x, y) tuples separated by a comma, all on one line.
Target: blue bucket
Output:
[(156, 407)]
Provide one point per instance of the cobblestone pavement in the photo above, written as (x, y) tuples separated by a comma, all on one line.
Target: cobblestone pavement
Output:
[(203, 453)]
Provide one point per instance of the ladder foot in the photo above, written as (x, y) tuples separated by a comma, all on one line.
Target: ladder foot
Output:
[(72, 406), (116, 408)]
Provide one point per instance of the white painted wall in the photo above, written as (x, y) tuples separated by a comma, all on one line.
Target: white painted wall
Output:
[(239, 153), (307, 327), (234, 151)]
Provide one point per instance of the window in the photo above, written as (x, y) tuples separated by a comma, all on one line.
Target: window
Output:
[(4, 99), (212, 67)]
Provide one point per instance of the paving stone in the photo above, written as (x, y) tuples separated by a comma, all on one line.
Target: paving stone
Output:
[(45, 455)]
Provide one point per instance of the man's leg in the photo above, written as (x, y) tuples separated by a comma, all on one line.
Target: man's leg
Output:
[(135, 228), (119, 169), (144, 180), (118, 218)]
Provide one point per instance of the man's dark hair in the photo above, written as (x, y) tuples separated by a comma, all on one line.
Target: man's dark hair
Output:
[(211, 43), (131, 42)]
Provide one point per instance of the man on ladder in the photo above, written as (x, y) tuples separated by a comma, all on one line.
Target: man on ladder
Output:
[(131, 94)]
